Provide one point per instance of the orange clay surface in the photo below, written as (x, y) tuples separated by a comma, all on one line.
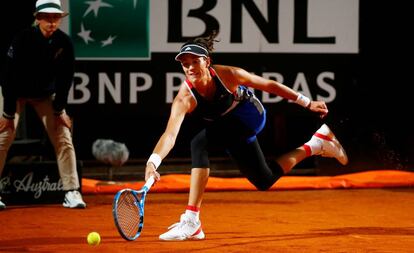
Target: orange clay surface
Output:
[(318, 220)]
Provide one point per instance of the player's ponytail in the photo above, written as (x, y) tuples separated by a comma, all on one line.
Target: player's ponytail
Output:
[(208, 41)]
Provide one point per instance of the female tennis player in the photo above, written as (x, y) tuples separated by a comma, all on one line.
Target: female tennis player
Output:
[(234, 116)]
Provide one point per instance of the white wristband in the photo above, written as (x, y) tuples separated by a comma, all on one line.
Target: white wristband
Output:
[(303, 100), (154, 159)]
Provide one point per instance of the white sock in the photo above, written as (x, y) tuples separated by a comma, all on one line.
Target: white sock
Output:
[(193, 214), (315, 145)]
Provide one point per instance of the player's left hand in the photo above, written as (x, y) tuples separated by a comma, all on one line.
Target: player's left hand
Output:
[(63, 119), (319, 107)]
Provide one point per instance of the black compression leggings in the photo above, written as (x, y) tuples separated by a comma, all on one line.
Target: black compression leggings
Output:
[(248, 156)]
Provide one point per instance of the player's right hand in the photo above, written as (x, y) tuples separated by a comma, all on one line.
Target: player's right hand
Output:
[(6, 123), (151, 171)]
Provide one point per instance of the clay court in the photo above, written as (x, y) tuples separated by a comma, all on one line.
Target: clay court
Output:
[(362, 212)]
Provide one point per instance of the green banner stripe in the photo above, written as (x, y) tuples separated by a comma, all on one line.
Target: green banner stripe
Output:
[(104, 35)]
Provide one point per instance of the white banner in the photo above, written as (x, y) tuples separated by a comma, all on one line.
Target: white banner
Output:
[(255, 26), (325, 26)]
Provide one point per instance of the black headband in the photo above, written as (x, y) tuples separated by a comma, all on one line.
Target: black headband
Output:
[(192, 48)]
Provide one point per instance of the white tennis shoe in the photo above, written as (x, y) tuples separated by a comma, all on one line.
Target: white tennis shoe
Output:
[(2, 205), (186, 229), (329, 146), (73, 199)]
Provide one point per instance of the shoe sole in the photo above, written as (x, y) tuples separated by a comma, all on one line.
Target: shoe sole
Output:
[(343, 159), (199, 236), (185, 239), (79, 206)]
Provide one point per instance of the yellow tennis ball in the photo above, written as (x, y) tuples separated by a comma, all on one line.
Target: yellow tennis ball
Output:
[(93, 238)]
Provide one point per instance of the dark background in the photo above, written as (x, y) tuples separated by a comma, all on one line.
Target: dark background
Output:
[(371, 114)]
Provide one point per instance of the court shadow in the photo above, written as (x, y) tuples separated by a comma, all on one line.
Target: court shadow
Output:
[(228, 237), (370, 231), (22, 242)]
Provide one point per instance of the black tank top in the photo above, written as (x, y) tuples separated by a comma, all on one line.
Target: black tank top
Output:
[(222, 102)]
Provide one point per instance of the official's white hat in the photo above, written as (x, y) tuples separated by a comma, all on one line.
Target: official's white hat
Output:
[(49, 6)]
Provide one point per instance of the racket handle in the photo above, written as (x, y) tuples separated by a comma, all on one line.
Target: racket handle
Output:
[(149, 182)]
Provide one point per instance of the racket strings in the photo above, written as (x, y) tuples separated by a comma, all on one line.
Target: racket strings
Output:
[(129, 214)]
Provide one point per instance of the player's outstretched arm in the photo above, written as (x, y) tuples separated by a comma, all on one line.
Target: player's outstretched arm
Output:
[(182, 104)]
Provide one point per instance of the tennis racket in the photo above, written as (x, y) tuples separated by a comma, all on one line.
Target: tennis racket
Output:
[(128, 210)]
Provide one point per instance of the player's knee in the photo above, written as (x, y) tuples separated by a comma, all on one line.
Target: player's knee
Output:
[(199, 153), (265, 183), (198, 142), (263, 186), (261, 183)]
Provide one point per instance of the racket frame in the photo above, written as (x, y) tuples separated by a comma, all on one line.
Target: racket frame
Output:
[(140, 204)]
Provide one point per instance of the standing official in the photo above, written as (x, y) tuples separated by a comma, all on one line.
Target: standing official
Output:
[(39, 72)]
